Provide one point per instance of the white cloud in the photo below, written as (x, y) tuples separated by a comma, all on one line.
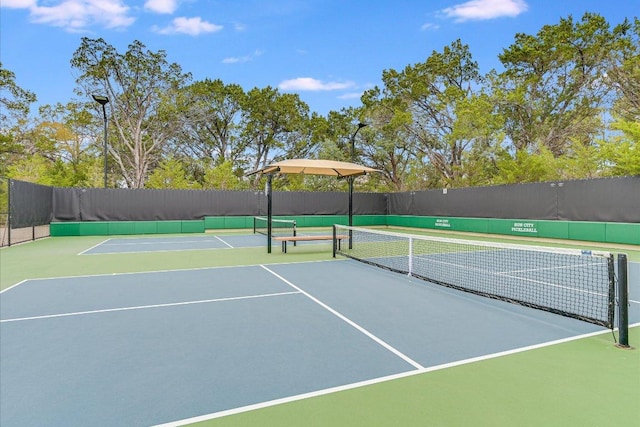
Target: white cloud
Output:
[(240, 59), (161, 6), (311, 84), (429, 26), (191, 26), (239, 26), (18, 4), (351, 95), (77, 15), (478, 10)]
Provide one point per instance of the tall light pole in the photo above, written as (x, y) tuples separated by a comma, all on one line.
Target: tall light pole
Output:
[(353, 159), (103, 100)]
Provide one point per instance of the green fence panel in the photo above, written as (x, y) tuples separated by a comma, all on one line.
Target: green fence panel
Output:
[(235, 222), (59, 229), (399, 220), (121, 227), (621, 232), (146, 227), (213, 222), (193, 226), (169, 227), (475, 225), (369, 220), (590, 231), (553, 229), (94, 229)]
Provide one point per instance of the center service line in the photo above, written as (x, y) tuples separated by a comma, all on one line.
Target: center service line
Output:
[(350, 322)]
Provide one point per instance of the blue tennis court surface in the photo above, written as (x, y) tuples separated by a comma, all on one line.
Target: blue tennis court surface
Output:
[(185, 243), (159, 347)]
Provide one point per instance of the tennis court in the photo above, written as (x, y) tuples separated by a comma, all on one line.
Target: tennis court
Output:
[(178, 343)]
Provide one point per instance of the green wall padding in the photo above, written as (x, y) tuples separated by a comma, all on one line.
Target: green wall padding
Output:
[(146, 227), (195, 226), (64, 229), (118, 227), (616, 232), (591, 231), (626, 233), (169, 227)]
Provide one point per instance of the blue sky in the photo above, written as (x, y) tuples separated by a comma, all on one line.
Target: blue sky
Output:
[(327, 51)]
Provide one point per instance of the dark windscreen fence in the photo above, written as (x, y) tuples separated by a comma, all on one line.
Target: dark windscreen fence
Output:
[(607, 200), (26, 210), (4, 211), (31, 204), (324, 203), (96, 204), (569, 282)]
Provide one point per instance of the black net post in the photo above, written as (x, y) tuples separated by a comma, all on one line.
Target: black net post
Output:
[(269, 213), (623, 302), (9, 212), (335, 241)]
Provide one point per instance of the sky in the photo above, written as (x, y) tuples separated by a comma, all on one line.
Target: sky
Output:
[(327, 51)]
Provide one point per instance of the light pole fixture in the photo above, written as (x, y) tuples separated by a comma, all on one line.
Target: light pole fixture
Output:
[(353, 141), (103, 100), (353, 159)]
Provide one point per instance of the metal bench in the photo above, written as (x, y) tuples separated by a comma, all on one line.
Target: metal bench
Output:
[(285, 239)]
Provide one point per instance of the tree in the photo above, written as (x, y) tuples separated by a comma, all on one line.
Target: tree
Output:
[(223, 177), (142, 88), (170, 174), (209, 135), (69, 134), (623, 73), (15, 104), (427, 100), (552, 91), (273, 125), (14, 101)]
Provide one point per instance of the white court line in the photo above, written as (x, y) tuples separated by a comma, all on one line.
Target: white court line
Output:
[(349, 321), (13, 286), (223, 242), (94, 246), (175, 270), (154, 251), (141, 307), (160, 242), (332, 390)]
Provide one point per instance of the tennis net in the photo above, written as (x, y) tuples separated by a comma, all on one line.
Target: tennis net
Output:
[(279, 227), (573, 283)]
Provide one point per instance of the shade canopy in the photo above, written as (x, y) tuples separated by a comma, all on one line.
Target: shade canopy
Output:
[(316, 167)]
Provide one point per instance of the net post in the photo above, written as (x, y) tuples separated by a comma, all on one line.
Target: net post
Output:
[(254, 225), (335, 242), (294, 232), (9, 212), (410, 264), (623, 302), (269, 213)]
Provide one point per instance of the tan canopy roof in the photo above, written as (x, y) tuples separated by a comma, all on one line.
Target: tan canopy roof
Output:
[(316, 167)]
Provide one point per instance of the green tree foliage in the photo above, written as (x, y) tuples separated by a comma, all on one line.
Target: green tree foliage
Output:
[(566, 106), (552, 91), (211, 112), (427, 100), (224, 177), (170, 174), (15, 103), (273, 126), (142, 88)]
